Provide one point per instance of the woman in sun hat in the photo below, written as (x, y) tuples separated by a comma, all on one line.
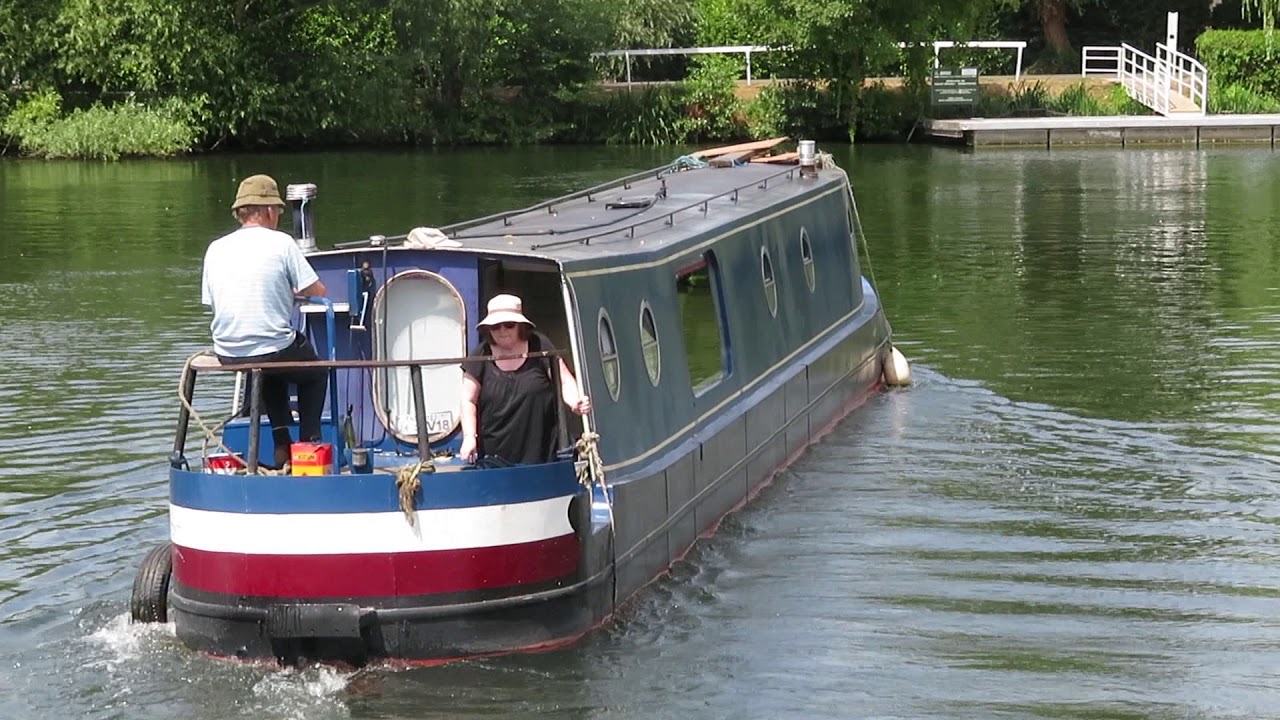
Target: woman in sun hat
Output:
[(509, 406)]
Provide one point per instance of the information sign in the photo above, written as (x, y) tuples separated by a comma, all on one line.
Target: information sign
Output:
[(954, 86)]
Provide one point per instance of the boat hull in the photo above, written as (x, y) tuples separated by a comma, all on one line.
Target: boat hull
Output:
[(469, 603)]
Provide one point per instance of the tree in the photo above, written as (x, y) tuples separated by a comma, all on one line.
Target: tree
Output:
[(838, 42), (1053, 22), (1266, 9)]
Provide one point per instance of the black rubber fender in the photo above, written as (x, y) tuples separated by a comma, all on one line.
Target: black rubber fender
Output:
[(150, 600)]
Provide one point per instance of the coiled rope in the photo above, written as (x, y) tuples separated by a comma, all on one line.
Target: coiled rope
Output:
[(408, 482), (588, 446), (687, 162)]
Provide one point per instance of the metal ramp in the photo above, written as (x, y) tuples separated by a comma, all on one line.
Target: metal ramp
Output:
[(1170, 82)]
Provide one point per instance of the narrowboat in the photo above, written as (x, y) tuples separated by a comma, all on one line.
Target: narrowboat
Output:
[(713, 309)]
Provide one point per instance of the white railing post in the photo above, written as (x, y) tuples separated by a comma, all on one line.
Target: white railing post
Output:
[(1017, 69), (627, 56), (748, 54)]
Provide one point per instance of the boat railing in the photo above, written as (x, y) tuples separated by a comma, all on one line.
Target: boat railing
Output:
[(201, 363), (550, 206), (669, 217)]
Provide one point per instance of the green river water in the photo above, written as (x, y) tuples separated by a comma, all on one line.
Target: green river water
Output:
[(1072, 513)]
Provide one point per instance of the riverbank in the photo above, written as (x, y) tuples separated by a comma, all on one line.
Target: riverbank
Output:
[(1121, 131), (712, 106)]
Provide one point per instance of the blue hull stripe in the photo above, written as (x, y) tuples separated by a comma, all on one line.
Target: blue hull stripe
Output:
[(284, 494)]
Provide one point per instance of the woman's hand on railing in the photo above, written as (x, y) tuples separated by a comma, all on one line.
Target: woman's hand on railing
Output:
[(468, 450)]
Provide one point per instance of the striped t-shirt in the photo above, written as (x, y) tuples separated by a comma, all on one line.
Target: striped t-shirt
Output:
[(249, 280)]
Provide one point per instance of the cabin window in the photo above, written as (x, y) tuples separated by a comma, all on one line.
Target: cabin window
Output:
[(418, 315), (770, 287), (609, 356), (702, 322), (806, 258), (649, 343)]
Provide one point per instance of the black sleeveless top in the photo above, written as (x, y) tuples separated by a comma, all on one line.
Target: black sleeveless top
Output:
[(516, 411)]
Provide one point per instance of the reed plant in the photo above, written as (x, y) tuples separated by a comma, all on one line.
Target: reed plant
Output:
[(40, 128), (1238, 99), (1076, 100), (1028, 98)]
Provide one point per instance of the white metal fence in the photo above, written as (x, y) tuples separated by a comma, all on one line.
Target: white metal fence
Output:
[(745, 50), (1018, 46), (1169, 81)]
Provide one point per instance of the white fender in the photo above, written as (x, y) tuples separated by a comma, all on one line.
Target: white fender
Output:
[(897, 372)]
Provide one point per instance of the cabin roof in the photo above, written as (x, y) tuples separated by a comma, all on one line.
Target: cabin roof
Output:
[(646, 214)]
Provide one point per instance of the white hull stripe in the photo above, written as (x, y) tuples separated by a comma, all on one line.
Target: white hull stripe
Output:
[(364, 533)]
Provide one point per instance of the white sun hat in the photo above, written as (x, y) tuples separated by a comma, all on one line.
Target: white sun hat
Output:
[(505, 308)]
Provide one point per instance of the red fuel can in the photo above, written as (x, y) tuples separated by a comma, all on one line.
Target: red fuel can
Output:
[(223, 464), (310, 458)]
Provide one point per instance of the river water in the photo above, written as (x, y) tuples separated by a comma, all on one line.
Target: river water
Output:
[(1072, 513)]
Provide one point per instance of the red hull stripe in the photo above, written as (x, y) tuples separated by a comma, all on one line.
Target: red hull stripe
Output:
[(380, 575)]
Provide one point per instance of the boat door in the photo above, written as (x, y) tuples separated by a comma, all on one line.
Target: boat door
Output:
[(419, 315)]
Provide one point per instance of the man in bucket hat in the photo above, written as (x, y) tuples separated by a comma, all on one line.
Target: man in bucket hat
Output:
[(250, 279)]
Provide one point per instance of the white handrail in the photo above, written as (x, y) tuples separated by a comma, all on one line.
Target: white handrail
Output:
[(746, 50), (1103, 60), (1143, 77), (1017, 45), (1187, 76), (1153, 81)]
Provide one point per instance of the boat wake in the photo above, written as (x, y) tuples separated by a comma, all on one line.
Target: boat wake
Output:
[(146, 658)]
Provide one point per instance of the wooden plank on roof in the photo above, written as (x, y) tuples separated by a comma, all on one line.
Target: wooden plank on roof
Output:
[(740, 147), (789, 157), (731, 159)]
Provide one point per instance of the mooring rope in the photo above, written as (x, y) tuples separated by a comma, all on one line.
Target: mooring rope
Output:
[(588, 446), (213, 434), (826, 160), (408, 482)]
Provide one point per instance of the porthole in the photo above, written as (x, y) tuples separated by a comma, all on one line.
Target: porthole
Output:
[(649, 343), (609, 356), (770, 287), (806, 258)]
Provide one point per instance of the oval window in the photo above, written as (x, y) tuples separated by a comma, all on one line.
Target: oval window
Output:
[(770, 287), (649, 343), (609, 356), (806, 257)]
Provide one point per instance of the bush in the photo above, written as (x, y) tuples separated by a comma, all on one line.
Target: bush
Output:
[(886, 113), (713, 111), (100, 132), (1238, 99), (1247, 58), (798, 109)]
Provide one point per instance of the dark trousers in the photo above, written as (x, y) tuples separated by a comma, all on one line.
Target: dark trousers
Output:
[(312, 384)]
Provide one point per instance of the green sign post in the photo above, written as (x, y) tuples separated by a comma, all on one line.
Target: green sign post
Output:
[(954, 86)]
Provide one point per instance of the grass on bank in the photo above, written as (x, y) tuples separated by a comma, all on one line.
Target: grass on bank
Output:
[(98, 132), (706, 108)]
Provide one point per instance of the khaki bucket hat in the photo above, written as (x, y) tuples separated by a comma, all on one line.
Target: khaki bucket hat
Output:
[(258, 190)]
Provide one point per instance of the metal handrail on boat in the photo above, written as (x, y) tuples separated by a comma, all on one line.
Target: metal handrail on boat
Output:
[(670, 216), (178, 458), (454, 230)]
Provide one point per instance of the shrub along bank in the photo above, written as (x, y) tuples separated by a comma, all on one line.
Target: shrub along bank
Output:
[(706, 108), (1244, 75)]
